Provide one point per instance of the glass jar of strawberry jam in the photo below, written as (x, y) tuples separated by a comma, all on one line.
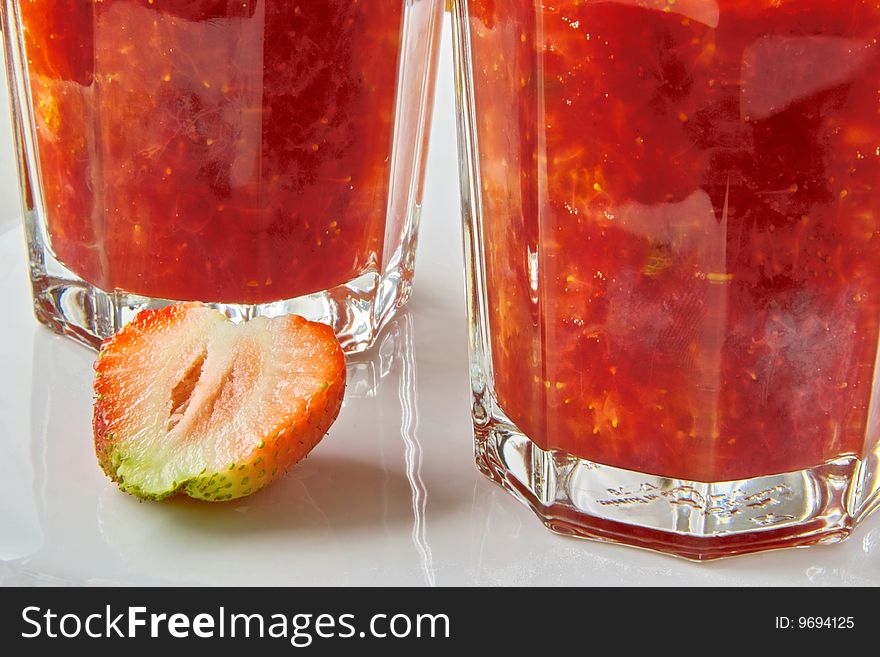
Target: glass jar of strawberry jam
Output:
[(674, 237), (263, 156)]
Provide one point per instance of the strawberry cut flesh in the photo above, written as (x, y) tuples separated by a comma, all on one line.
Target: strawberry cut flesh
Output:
[(190, 402)]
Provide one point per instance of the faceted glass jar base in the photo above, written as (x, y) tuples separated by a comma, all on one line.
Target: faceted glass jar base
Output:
[(694, 520), (357, 310)]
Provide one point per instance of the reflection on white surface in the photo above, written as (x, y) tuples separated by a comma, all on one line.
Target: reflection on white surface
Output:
[(20, 530), (409, 424), (60, 484), (365, 371), (395, 352)]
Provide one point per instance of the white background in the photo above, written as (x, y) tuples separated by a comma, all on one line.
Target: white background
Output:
[(390, 497)]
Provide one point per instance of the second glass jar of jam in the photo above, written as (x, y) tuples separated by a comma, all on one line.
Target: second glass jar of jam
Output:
[(675, 281)]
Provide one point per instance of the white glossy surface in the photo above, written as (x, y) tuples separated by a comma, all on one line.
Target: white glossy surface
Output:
[(390, 497)]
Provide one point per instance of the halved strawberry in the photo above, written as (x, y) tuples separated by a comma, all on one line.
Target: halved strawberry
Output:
[(188, 402)]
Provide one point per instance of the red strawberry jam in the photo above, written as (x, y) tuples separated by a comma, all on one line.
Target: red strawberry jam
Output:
[(214, 150), (680, 206)]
